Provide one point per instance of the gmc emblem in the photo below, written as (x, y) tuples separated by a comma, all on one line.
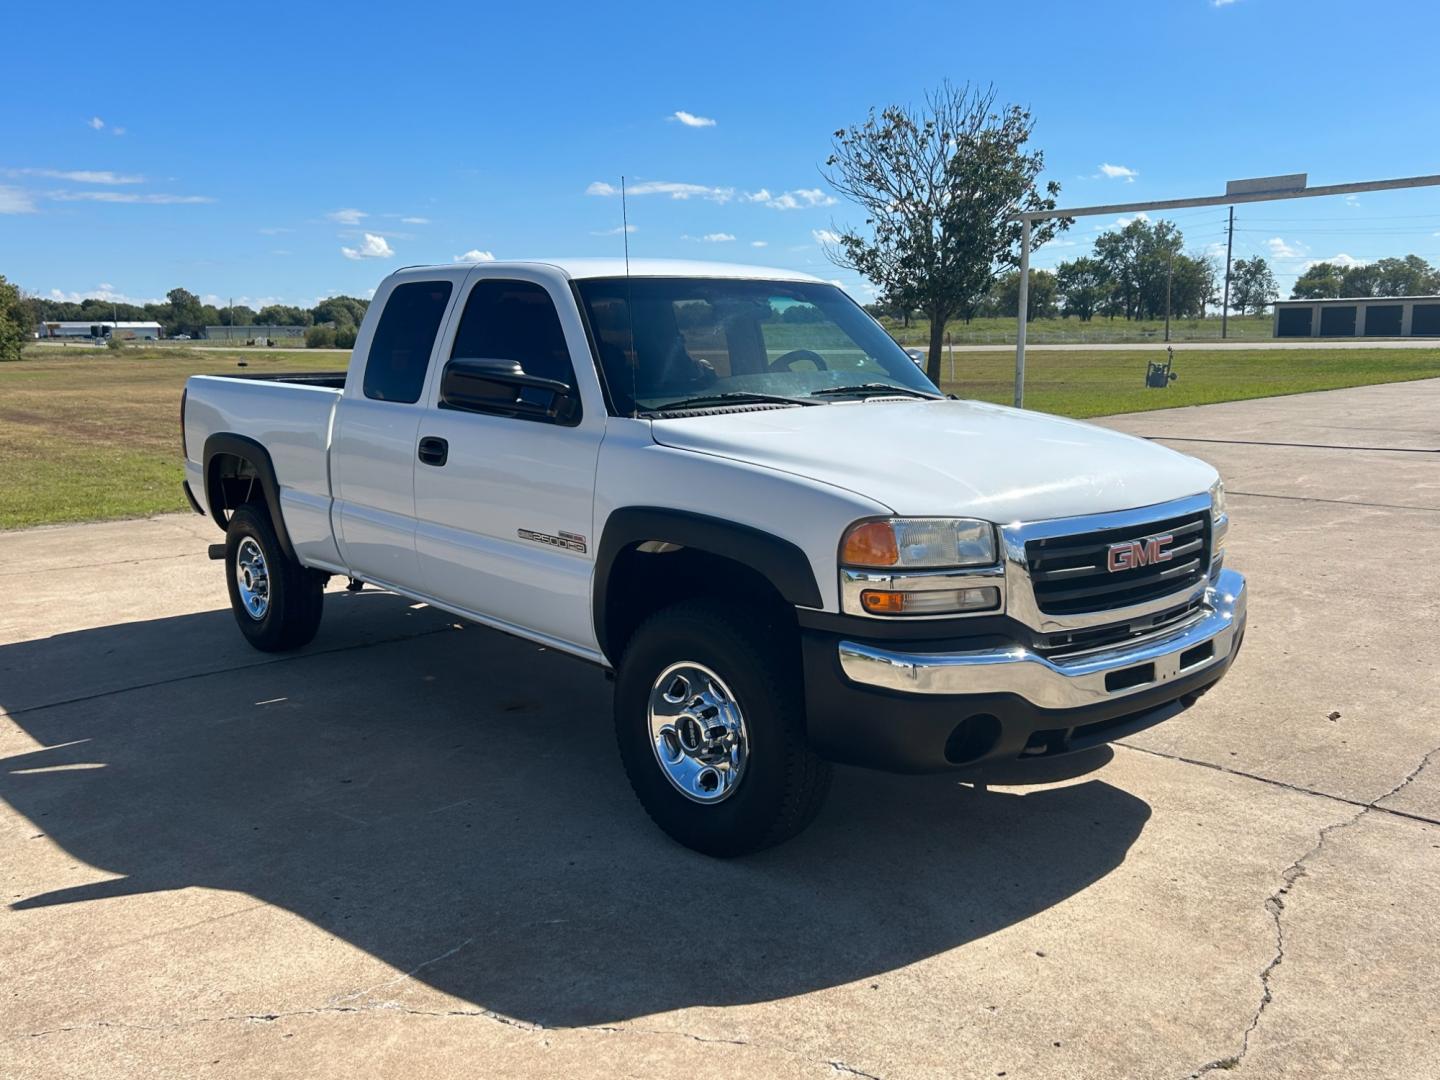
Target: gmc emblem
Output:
[(1130, 554)]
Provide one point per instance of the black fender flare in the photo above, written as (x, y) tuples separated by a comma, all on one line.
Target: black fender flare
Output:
[(779, 561), (225, 442)]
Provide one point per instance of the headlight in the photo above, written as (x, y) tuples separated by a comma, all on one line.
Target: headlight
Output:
[(1217, 500), (919, 543)]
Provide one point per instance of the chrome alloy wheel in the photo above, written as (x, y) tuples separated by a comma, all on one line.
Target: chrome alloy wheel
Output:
[(253, 577), (698, 732)]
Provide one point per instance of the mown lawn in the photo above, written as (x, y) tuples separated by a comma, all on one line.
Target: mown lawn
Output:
[(86, 434), (1100, 382)]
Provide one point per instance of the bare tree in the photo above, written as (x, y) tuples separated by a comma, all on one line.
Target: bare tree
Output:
[(938, 187)]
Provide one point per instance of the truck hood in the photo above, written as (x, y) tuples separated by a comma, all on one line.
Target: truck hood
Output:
[(944, 458)]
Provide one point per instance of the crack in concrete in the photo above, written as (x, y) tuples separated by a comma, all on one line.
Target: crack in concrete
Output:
[(1275, 905), (850, 1070), (1298, 788)]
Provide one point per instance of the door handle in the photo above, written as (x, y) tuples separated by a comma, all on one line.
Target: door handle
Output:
[(434, 450)]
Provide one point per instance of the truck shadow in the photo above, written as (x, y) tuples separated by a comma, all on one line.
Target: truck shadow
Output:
[(452, 803)]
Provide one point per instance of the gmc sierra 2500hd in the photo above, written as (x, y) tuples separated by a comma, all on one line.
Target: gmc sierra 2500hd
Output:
[(733, 489)]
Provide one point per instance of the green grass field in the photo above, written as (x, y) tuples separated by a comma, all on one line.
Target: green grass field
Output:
[(1097, 331), (89, 434)]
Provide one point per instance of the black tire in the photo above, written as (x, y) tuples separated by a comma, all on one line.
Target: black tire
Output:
[(783, 783), (295, 595)]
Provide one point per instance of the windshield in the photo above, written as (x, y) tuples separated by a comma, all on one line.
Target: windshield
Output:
[(702, 337)]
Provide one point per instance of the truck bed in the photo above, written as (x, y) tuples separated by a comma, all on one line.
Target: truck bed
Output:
[(330, 380), (289, 415)]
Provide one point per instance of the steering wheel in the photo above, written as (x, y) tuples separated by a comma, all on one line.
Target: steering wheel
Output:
[(786, 362)]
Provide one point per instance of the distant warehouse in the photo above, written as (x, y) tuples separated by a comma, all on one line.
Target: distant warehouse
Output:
[(1359, 316), (251, 332), (128, 331)]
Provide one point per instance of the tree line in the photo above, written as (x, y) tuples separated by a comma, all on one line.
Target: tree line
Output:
[(1127, 275), (332, 322), (1410, 276)]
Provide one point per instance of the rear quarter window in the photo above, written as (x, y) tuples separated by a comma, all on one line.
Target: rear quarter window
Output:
[(400, 351)]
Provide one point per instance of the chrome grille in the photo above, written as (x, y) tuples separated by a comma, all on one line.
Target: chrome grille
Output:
[(1069, 574)]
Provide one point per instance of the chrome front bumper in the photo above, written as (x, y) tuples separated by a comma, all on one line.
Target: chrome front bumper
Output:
[(1069, 682)]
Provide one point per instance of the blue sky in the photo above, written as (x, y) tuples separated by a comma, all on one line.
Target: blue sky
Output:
[(274, 153)]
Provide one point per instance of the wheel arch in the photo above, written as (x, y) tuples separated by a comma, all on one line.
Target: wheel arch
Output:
[(221, 449), (724, 553)]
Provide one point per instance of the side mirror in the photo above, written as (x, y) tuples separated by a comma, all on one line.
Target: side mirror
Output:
[(502, 388)]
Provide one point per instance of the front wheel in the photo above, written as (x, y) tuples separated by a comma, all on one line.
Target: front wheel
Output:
[(708, 717), (276, 601)]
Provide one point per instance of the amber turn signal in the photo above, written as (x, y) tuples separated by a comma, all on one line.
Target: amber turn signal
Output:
[(878, 602), (871, 543)]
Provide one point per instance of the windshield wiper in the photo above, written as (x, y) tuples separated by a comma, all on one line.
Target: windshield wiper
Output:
[(869, 388), (734, 397)]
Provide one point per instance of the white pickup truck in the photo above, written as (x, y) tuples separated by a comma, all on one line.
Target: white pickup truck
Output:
[(730, 488)]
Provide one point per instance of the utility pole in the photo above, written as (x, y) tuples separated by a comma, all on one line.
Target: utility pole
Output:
[(1169, 280), (1229, 246)]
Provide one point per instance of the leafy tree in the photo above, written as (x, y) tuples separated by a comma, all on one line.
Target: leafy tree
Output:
[(239, 315), (345, 337), (15, 321), (320, 336), (1252, 285), (1321, 281), (1083, 286), (340, 310), (1196, 286), (184, 315), (1041, 303), (1410, 276), (938, 187), (283, 315)]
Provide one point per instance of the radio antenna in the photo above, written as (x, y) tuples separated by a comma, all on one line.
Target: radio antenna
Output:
[(629, 304)]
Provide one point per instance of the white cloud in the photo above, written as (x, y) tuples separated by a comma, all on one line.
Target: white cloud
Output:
[(346, 217), (1121, 222), (1280, 249), (275, 230), (718, 237), (154, 198), (616, 231), (96, 123), (373, 247), (117, 131), (1118, 172), (1221, 3), (1341, 259), (15, 201), (799, 199), (256, 302), (104, 291), (759, 243), (1352, 200), (79, 176), (825, 236), (474, 255), (415, 221), (690, 119), (664, 187)]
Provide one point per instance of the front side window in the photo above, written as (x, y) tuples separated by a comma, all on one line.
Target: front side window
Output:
[(514, 320), (665, 340), (400, 350)]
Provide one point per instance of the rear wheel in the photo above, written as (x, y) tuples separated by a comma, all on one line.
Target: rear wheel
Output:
[(708, 716), (276, 601)]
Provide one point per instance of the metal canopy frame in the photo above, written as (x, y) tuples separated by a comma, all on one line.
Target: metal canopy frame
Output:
[(1240, 191)]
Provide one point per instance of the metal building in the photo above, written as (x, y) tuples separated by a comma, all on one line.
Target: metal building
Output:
[(102, 328), (252, 332), (1359, 316)]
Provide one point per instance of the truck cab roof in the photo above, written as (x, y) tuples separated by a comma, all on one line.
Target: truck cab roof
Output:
[(577, 269)]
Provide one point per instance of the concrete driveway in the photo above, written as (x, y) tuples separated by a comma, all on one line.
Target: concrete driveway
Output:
[(410, 849)]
